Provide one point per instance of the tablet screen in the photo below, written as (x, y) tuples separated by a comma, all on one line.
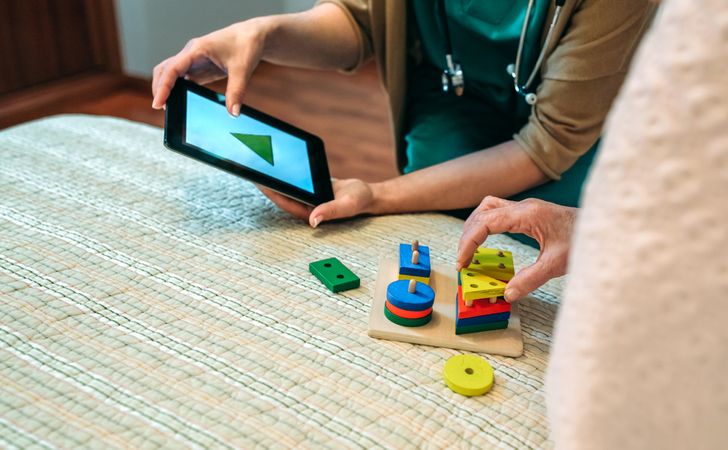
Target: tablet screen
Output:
[(247, 142)]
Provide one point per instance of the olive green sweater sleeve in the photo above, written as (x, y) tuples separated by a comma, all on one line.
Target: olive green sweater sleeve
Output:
[(580, 79), (357, 12)]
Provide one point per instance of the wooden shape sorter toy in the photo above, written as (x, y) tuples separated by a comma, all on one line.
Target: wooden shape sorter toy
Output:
[(414, 262), (478, 305), (334, 275), (494, 263), (478, 286), (425, 280), (410, 295), (480, 308), (440, 331), (468, 375)]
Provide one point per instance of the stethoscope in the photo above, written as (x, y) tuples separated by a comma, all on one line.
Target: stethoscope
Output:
[(453, 77)]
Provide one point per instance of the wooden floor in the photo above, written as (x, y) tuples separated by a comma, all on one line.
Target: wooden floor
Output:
[(347, 111)]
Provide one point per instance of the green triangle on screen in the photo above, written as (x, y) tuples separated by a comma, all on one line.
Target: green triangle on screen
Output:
[(260, 144)]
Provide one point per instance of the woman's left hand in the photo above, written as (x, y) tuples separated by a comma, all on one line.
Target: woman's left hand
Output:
[(352, 197), (550, 224)]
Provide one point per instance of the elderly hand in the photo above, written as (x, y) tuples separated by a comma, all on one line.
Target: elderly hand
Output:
[(352, 197), (548, 223)]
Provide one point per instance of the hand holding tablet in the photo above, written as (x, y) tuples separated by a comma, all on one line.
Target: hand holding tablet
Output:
[(255, 146)]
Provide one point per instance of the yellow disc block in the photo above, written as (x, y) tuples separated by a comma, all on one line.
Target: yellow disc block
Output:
[(468, 375)]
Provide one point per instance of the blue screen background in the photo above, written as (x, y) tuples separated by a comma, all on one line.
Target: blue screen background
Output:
[(209, 126)]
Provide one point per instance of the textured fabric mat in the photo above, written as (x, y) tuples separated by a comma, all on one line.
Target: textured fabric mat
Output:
[(148, 300)]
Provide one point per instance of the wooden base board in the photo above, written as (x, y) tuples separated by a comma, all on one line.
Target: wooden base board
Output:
[(440, 332)]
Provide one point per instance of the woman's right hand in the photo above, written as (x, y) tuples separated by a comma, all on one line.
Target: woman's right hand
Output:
[(232, 52), (352, 198)]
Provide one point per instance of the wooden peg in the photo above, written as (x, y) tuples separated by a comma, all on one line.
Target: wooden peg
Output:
[(501, 254), (493, 300), (415, 245), (412, 287), (415, 257)]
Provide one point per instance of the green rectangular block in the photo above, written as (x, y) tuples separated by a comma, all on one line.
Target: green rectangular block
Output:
[(334, 275), (484, 327)]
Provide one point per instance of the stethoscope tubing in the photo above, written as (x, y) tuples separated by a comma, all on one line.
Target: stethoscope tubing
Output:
[(523, 89), (513, 69)]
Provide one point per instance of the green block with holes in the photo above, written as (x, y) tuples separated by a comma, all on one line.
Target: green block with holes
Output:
[(334, 275)]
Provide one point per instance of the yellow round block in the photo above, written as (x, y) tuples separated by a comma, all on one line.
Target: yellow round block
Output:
[(468, 375)]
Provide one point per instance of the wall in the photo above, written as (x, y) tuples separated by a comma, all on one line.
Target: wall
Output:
[(150, 31)]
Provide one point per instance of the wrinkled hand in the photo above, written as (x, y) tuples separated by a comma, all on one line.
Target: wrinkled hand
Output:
[(548, 223), (232, 52), (352, 197)]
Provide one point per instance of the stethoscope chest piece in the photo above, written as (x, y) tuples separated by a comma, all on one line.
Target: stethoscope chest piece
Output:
[(515, 69), (452, 77), (530, 97)]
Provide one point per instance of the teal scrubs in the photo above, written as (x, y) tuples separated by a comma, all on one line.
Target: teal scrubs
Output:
[(440, 126)]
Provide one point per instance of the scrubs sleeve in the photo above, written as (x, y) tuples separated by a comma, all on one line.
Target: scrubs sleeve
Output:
[(357, 12), (579, 81)]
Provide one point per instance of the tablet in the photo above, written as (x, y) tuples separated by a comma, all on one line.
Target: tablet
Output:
[(255, 146)]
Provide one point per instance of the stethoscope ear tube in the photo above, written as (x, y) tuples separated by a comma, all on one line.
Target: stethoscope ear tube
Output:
[(530, 97), (453, 76)]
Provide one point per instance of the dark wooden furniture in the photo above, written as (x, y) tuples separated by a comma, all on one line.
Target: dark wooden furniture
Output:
[(53, 50)]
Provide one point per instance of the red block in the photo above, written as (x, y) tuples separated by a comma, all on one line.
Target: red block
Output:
[(481, 307), (403, 313)]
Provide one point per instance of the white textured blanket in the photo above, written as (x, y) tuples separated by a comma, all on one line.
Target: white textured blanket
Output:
[(147, 300)]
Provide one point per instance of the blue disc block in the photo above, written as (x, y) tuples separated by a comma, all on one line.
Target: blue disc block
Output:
[(422, 269), (420, 300)]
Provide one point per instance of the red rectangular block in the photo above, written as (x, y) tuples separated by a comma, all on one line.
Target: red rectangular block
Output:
[(481, 307)]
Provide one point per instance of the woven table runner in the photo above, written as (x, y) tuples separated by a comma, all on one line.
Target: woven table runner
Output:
[(147, 300)]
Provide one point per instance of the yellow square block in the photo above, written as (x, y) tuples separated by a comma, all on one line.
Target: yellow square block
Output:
[(425, 280), (478, 286), (494, 263)]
